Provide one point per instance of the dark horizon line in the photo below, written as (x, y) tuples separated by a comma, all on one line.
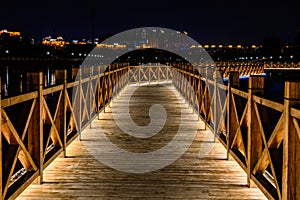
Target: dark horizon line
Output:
[(90, 36)]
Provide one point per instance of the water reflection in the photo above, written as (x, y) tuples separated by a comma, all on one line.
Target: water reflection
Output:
[(49, 77), (14, 79)]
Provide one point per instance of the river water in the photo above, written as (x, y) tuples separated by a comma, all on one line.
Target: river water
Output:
[(14, 79)]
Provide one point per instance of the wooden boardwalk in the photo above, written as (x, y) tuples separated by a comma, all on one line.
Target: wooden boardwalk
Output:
[(82, 176)]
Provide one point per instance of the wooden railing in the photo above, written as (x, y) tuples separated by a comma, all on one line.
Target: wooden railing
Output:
[(263, 136), (38, 126), (150, 73), (281, 65), (244, 68)]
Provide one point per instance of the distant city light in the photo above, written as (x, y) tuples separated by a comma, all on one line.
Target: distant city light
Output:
[(280, 57), (79, 54), (48, 53), (291, 56), (271, 57), (7, 51), (72, 54)]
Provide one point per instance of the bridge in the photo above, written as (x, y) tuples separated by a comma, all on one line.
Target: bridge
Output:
[(47, 135)]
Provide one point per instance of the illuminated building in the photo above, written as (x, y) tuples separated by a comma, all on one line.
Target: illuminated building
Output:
[(143, 46), (58, 42), (111, 46), (10, 33)]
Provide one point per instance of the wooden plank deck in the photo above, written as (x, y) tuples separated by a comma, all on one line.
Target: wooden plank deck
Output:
[(82, 176)]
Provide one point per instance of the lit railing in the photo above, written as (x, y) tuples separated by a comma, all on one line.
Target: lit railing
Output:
[(260, 134), (38, 126), (263, 136)]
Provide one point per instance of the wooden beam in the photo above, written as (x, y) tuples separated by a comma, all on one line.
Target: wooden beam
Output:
[(291, 161), (79, 102), (19, 140), (61, 118), (254, 147), (1, 149)]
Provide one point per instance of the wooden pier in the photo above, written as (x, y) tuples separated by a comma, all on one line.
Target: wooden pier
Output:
[(260, 137), (82, 176)]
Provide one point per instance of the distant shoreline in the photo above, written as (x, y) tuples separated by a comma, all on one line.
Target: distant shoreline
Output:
[(31, 60)]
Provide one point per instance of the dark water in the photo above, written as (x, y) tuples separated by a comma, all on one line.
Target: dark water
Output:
[(274, 83), (14, 78)]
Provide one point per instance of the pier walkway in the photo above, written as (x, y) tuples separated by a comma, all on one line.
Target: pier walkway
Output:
[(193, 176)]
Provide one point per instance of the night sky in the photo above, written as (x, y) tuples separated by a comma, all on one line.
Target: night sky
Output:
[(210, 21)]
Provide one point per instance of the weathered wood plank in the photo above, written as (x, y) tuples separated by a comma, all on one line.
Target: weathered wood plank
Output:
[(18, 99)]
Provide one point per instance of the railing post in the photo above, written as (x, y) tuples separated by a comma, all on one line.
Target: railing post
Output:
[(109, 85), (291, 158), (233, 81), (1, 152), (194, 89), (215, 104), (35, 128), (139, 70), (80, 101), (168, 70), (90, 95), (185, 78), (40, 100), (128, 74), (158, 70), (199, 94), (98, 89), (61, 78), (149, 75), (207, 96), (188, 87), (254, 146)]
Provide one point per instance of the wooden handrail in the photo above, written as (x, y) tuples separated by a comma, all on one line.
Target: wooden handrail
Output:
[(53, 118), (249, 117)]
